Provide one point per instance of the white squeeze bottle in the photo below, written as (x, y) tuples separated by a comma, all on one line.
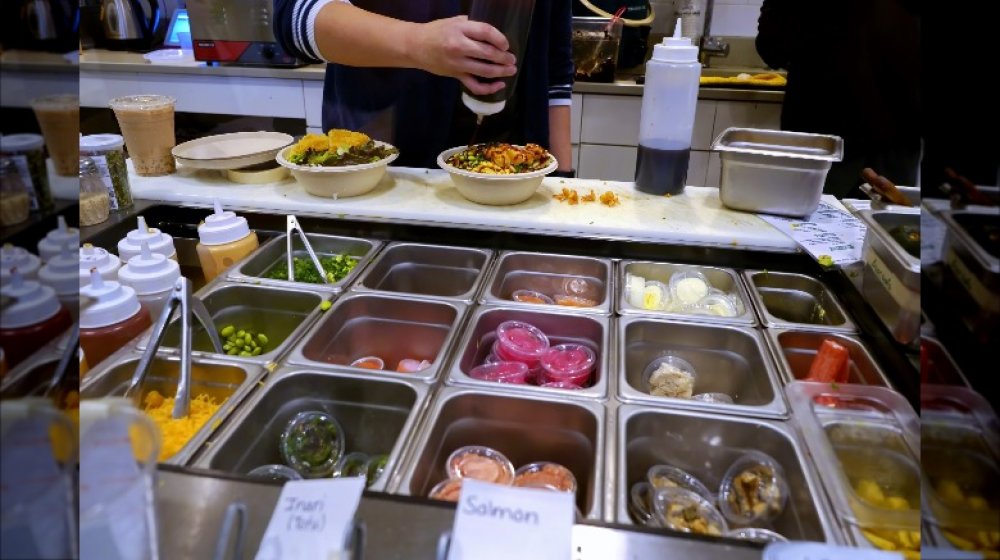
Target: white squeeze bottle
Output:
[(669, 98), (223, 239), (95, 257), (51, 245), (152, 276), (62, 273), (159, 242)]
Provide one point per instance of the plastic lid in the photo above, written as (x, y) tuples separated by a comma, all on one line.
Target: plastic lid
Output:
[(369, 362), (655, 296), (531, 296), (480, 463), (149, 272), (159, 242), (54, 240), (568, 362), (222, 227), (688, 287), (547, 475), (276, 473), (99, 258), (669, 376), (447, 490), (375, 467), (676, 48), (522, 340), (753, 480), (640, 502), (669, 476), (501, 372), (683, 510), (33, 302), (141, 102), (115, 303), (12, 143), (755, 534), (21, 259), (101, 142), (62, 271), (312, 443), (352, 464), (411, 365)]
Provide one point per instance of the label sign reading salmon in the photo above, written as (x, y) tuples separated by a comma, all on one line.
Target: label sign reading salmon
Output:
[(311, 519), (496, 522)]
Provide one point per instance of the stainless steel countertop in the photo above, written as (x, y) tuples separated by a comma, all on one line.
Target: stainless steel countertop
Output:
[(118, 61)]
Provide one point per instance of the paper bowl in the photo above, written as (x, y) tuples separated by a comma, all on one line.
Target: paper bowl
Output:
[(338, 182), (494, 190)]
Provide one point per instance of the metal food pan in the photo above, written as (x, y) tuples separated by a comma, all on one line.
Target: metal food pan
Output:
[(283, 315), (273, 253), (794, 351), (228, 382), (549, 274), (391, 327), (378, 417), (972, 272), (705, 446), (589, 330), (727, 359), (890, 282), (525, 428), (428, 271), (795, 300), (724, 279)]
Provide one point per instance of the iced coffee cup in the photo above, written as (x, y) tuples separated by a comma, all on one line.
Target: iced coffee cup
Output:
[(59, 118), (147, 123)]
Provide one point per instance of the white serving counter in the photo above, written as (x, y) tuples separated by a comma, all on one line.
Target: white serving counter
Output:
[(423, 196)]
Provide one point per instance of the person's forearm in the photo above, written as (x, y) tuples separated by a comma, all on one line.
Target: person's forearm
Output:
[(348, 35), (559, 137)]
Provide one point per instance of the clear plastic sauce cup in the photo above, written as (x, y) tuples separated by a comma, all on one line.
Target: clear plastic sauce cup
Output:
[(480, 463), (547, 475), (753, 490), (670, 376), (501, 372), (531, 296), (683, 510), (312, 443), (669, 476), (521, 341), (570, 363)]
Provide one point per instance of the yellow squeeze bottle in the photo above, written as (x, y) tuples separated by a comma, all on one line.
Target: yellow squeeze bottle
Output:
[(224, 239)]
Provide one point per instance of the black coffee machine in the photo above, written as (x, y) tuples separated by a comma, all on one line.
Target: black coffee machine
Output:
[(127, 25), (40, 25)]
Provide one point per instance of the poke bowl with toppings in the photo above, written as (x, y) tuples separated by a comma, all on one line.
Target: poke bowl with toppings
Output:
[(340, 163), (497, 174)]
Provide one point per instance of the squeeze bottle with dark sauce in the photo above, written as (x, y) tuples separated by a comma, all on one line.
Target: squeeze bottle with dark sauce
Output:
[(34, 318), (114, 319), (513, 19)]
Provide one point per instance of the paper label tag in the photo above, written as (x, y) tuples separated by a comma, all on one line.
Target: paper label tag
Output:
[(311, 519), (906, 298), (21, 164), (932, 235), (102, 167), (496, 522), (830, 235), (979, 292), (819, 551)]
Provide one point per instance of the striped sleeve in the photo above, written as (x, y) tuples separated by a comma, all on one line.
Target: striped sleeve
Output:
[(561, 53), (295, 27)]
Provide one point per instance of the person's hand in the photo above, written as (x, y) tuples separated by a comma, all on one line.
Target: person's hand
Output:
[(463, 49)]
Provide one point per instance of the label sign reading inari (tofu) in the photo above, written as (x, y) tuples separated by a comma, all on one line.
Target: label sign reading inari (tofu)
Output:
[(495, 522), (311, 519)]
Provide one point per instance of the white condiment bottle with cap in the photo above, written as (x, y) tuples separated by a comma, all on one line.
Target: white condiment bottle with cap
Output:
[(51, 245), (62, 273), (152, 276), (224, 239), (111, 320), (666, 123), (20, 258), (96, 257), (33, 319), (159, 242)]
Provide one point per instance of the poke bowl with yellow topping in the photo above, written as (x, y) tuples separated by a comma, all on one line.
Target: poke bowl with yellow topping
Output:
[(340, 163), (497, 174)]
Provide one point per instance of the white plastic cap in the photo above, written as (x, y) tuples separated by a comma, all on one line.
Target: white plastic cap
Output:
[(96, 257), (62, 272), (676, 48), (33, 302), (20, 258), (222, 227), (53, 242), (14, 143), (115, 303), (482, 107), (101, 142), (149, 273), (159, 242)]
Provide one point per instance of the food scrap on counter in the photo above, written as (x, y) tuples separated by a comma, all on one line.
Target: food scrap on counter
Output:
[(176, 432), (572, 197)]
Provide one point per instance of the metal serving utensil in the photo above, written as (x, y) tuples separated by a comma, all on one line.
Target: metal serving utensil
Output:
[(292, 225)]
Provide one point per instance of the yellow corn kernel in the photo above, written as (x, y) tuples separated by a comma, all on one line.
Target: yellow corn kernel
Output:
[(870, 491), (897, 502), (878, 541)]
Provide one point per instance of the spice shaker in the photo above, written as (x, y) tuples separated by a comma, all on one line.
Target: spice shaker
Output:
[(27, 151), (97, 258), (152, 276), (159, 242), (107, 152), (21, 259), (224, 239), (95, 205), (15, 198), (52, 244)]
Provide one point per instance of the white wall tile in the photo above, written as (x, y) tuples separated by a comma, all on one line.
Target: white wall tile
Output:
[(611, 119), (575, 116), (734, 20), (714, 170), (697, 168), (746, 115), (704, 122), (576, 156), (612, 163)]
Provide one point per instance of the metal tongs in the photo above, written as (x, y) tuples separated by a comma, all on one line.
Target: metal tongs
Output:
[(72, 346), (181, 296), (293, 226)]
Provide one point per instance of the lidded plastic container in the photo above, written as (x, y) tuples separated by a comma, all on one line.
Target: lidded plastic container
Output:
[(112, 321), (20, 258), (669, 476), (669, 376), (34, 319), (753, 490), (106, 263), (866, 445), (27, 152), (95, 204), (531, 296), (687, 288), (62, 273), (52, 244), (501, 372), (570, 363), (224, 239), (666, 123), (312, 443), (274, 473), (683, 510), (159, 242), (480, 463), (521, 342), (108, 154), (545, 475), (152, 276), (15, 198)]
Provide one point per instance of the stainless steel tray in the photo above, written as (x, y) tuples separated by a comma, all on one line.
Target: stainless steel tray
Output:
[(430, 271), (891, 278), (794, 351), (784, 299), (547, 273)]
